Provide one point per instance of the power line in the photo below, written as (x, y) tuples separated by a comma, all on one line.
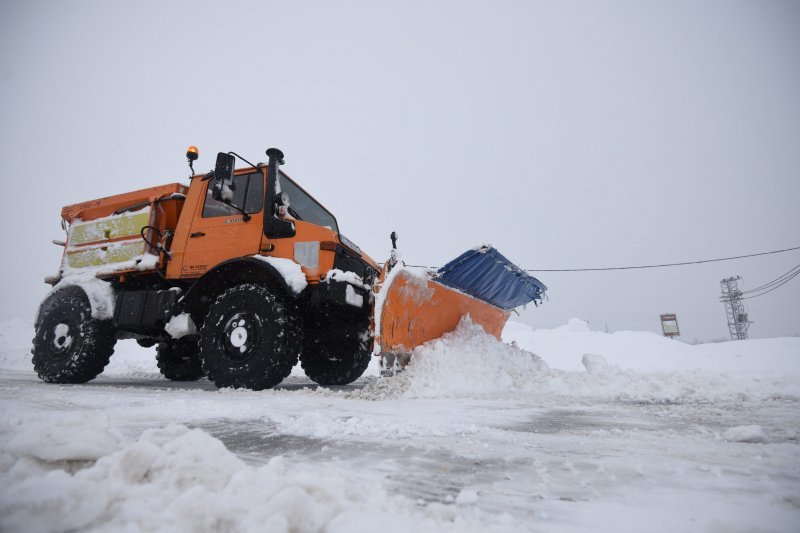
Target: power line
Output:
[(780, 278), (663, 265), (784, 282)]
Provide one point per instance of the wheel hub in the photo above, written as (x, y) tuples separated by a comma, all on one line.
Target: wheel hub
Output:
[(62, 339), (241, 336)]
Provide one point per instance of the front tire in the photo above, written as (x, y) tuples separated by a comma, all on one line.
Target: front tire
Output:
[(335, 353), (70, 346), (179, 359), (251, 337)]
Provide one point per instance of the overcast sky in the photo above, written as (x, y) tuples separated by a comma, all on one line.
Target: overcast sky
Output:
[(567, 134)]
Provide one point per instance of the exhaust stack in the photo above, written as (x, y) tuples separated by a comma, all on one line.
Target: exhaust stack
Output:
[(274, 226)]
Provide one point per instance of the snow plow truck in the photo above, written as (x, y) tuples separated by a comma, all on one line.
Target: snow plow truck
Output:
[(240, 274)]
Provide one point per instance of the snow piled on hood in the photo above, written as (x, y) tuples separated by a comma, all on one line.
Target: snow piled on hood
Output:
[(469, 363), (180, 479)]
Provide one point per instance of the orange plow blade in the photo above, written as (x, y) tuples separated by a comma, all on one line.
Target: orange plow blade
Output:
[(417, 310), (416, 306)]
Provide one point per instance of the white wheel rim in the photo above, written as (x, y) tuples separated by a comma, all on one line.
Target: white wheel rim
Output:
[(239, 337), (61, 337)]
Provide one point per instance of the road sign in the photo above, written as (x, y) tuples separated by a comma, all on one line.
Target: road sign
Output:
[(669, 325)]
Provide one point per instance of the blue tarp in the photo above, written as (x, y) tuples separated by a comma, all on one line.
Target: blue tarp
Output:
[(486, 275)]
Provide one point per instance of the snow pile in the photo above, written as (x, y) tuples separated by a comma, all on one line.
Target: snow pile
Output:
[(180, 326), (760, 368), (563, 347), (466, 362), (608, 382), (292, 272), (350, 277), (644, 351), (469, 363), (752, 433), (52, 440), (181, 479), (146, 262)]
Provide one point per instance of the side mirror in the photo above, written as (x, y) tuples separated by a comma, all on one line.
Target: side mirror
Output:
[(223, 177)]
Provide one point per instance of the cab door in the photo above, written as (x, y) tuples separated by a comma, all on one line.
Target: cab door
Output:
[(219, 232)]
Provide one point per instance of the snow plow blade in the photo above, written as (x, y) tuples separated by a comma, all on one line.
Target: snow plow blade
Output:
[(416, 306)]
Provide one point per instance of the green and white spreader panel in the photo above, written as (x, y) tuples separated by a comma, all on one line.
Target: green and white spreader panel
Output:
[(109, 244)]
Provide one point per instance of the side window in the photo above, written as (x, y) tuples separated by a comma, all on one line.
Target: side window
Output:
[(248, 193), (255, 193)]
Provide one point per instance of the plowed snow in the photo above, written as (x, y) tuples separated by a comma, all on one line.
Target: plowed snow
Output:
[(627, 430)]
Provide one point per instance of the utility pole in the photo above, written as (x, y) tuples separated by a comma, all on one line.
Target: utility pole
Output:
[(738, 321)]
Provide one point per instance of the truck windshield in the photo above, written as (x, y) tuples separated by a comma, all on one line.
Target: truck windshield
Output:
[(303, 207)]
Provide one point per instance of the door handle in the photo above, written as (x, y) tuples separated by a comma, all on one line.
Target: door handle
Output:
[(197, 234)]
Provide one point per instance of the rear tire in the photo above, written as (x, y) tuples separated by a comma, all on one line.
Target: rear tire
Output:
[(179, 359), (335, 353), (70, 346), (251, 337)]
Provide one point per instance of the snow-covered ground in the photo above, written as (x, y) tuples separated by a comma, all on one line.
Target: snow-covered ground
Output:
[(596, 432)]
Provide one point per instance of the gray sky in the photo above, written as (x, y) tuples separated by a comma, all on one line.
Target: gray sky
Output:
[(567, 134)]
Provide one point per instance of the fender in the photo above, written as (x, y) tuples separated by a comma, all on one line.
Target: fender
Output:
[(227, 274), (99, 293)]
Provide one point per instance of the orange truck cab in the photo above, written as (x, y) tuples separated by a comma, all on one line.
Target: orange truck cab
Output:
[(235, 277)]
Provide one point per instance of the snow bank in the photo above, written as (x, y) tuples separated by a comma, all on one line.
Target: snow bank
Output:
[(292, 272), (468, 363), (181, 479), (16, 339), (53, 440), (643, 351)]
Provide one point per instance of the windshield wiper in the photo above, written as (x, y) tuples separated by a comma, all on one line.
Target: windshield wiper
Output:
[(294, 214)]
